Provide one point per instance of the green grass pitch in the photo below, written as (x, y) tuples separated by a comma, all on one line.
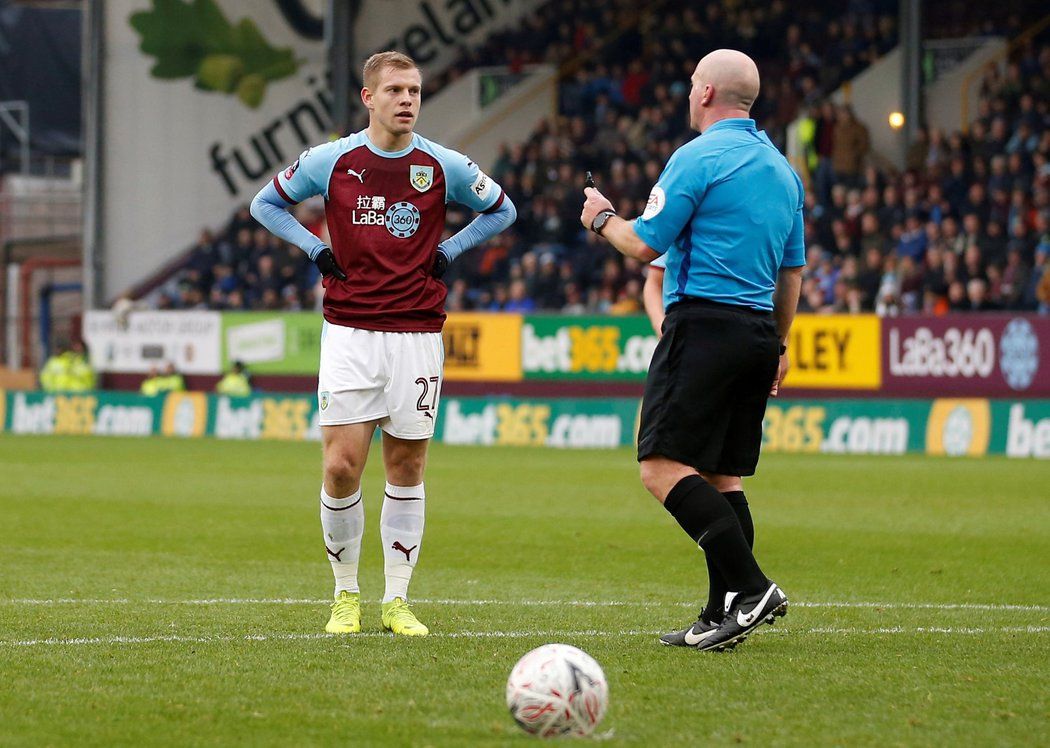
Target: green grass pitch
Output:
[(173, 592)]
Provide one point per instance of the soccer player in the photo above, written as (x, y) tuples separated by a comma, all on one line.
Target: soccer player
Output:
[(385, 191), (653, 294), (726, 214)]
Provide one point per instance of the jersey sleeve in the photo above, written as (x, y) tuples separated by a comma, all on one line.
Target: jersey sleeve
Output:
[(468, 185), (795, 247), (672, 202), (309, 175)]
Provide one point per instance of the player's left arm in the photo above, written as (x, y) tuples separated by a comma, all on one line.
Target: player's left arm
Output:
[(469, 186), (482, 228), (653, 294), (307, 177)]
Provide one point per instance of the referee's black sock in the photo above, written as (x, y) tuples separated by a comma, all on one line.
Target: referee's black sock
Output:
[(717, 587), (738, 501), (709, 519)]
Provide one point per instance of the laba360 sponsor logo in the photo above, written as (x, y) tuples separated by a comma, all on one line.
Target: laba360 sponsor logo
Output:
[(529, 424), (968, 353), (959, 353)]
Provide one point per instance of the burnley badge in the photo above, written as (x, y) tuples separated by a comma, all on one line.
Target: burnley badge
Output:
[(421, 177)]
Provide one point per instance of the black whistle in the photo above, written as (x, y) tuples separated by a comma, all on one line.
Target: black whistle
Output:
[(589, 181)]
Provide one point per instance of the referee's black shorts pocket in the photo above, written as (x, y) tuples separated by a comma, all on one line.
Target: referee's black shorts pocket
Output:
[(659, 391), (705, 394)]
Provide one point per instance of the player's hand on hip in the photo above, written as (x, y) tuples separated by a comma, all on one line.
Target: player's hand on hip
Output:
[(782, 370), (595, 203), (440, 264), (326, 263)]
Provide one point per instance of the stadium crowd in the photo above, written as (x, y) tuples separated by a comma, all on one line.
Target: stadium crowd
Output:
[(963, 227)]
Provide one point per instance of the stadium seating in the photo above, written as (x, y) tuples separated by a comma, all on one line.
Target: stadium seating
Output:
[(964, 227)]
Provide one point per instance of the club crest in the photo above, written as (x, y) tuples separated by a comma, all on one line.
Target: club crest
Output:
[(324, 397), (421, 177)]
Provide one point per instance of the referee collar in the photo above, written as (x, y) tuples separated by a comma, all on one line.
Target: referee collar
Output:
[(734, 123)]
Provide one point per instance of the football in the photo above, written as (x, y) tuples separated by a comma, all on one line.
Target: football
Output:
[(557, 690)]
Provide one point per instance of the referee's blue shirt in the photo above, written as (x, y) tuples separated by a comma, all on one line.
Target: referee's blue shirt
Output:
[(726, 214)]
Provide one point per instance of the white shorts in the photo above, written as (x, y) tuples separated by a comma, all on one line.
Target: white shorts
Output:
[(391, 377)]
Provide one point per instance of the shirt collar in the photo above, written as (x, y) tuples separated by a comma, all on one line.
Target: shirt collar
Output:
[(732, 124), (389, 154)]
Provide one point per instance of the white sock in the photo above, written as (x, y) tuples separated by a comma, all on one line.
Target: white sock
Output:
[(401, 527), (343, 524)]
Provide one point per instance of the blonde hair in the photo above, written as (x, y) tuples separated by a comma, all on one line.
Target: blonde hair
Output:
[(375, 64)]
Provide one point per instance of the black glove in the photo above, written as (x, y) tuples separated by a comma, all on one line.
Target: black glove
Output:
[(440, 264), (326, 263)]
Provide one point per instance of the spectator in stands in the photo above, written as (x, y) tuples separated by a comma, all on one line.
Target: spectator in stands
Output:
[(1014, 279), (918, 151), (573, 300), (850, 146), (68, 370), (1042, 291), (499, 299), (163, 381), (870, 277), (629, 299), (977, 296), (913, 240), (150, 385), (235, 383), (518, 300), (173, 381)]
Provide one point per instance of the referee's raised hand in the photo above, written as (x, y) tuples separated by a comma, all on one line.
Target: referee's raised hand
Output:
[(595, 204)]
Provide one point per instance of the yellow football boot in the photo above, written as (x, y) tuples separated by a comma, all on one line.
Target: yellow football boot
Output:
[(400, 619), (346, 614)]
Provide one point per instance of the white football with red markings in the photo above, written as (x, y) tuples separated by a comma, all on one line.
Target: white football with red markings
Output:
[(557, 690)]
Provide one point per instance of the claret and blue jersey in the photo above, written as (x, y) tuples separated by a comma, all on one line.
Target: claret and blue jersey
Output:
[(385, 213), (726, 214)]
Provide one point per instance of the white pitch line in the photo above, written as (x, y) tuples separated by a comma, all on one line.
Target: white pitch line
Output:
[(303, 637), (802, 604), (522, 603), (79, 641), (924, 630)]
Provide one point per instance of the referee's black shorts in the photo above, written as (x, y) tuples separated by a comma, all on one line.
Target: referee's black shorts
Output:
[(708, 382)]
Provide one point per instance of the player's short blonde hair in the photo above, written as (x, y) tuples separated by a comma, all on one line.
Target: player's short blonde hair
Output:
[(378, 62)]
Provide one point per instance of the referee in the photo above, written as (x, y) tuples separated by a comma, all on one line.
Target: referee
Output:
[(726, 215)]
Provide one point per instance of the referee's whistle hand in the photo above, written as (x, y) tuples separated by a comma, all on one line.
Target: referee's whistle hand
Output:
[(595, 203)]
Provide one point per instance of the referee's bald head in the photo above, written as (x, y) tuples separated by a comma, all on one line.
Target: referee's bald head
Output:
[(725, 84)]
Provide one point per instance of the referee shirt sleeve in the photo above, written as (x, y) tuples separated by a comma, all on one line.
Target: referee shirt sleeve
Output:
[(795, 247), (672, 202)]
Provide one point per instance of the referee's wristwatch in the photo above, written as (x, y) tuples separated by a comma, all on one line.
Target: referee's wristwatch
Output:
[(600, 220)]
